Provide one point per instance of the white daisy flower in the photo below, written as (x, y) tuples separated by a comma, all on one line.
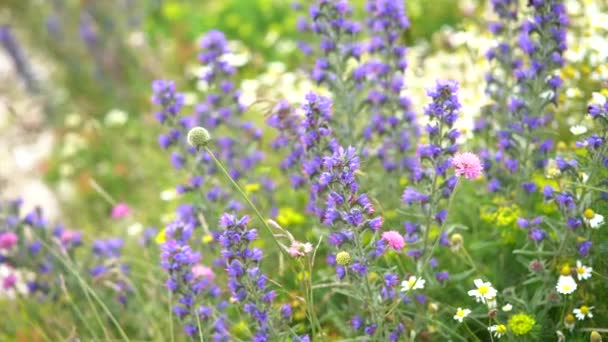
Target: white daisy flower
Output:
[(578, 129), (566, 285), (597, 98), (483, 291), (507, 307), (596, 221), (583, 312), (583, 272), (413, 283), (498, 330), (592, 218), (461, 314)]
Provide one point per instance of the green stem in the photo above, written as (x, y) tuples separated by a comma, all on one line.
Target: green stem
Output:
[(88, 290), (238, 188)]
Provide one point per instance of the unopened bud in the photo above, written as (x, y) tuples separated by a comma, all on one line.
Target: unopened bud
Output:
[(595, 337), (343, 258), (198, 137)]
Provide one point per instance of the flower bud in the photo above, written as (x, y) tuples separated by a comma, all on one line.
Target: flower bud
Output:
[(343, 258), (536, 266), (595, 337), (492, 313), (198, 137), (456, 241)]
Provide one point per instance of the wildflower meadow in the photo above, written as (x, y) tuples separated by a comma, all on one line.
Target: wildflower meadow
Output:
[(321, 170)]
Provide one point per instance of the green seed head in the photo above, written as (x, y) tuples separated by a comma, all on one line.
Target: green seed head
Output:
[(198, 137), (343, 258)]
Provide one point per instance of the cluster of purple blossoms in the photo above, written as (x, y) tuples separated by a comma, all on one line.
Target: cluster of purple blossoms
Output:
[(376, 84), (247, 282), (199, 305), (393, 121), (431, 184), (109, 269), (221, 107), (338, 203), (31, 244), (577, 200), (289, 125), (535, 233), (25, 243), (523, 89), (499, 81), (347, 212), (543, 42), (331, 22)]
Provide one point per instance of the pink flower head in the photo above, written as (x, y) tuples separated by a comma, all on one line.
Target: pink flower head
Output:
[(69, 236), (394, 240), (202, 271), (9, 282), (467, 164), (298, 249), (8, 240), (120, 210)]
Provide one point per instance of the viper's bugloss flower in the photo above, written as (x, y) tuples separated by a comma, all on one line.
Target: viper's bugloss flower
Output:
[(247, 283), (192, 283)]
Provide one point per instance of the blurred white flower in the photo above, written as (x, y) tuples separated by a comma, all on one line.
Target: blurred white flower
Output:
[(578, 129), (168, 195), (135, 229), (116, 117)]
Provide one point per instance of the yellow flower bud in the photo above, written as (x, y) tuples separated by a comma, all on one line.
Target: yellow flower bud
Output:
[(343, 258), (595, 337)]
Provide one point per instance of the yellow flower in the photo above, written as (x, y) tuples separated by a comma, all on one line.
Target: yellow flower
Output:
[(207, 238), (249, 188), (521, 323), (161, 237), (589, 213), (288, 216)]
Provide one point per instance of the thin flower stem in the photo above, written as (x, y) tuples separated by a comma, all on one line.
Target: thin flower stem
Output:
[(200, 328), (88, 290), (471, 332), (238, 188), (170, 302), (469, 259)]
